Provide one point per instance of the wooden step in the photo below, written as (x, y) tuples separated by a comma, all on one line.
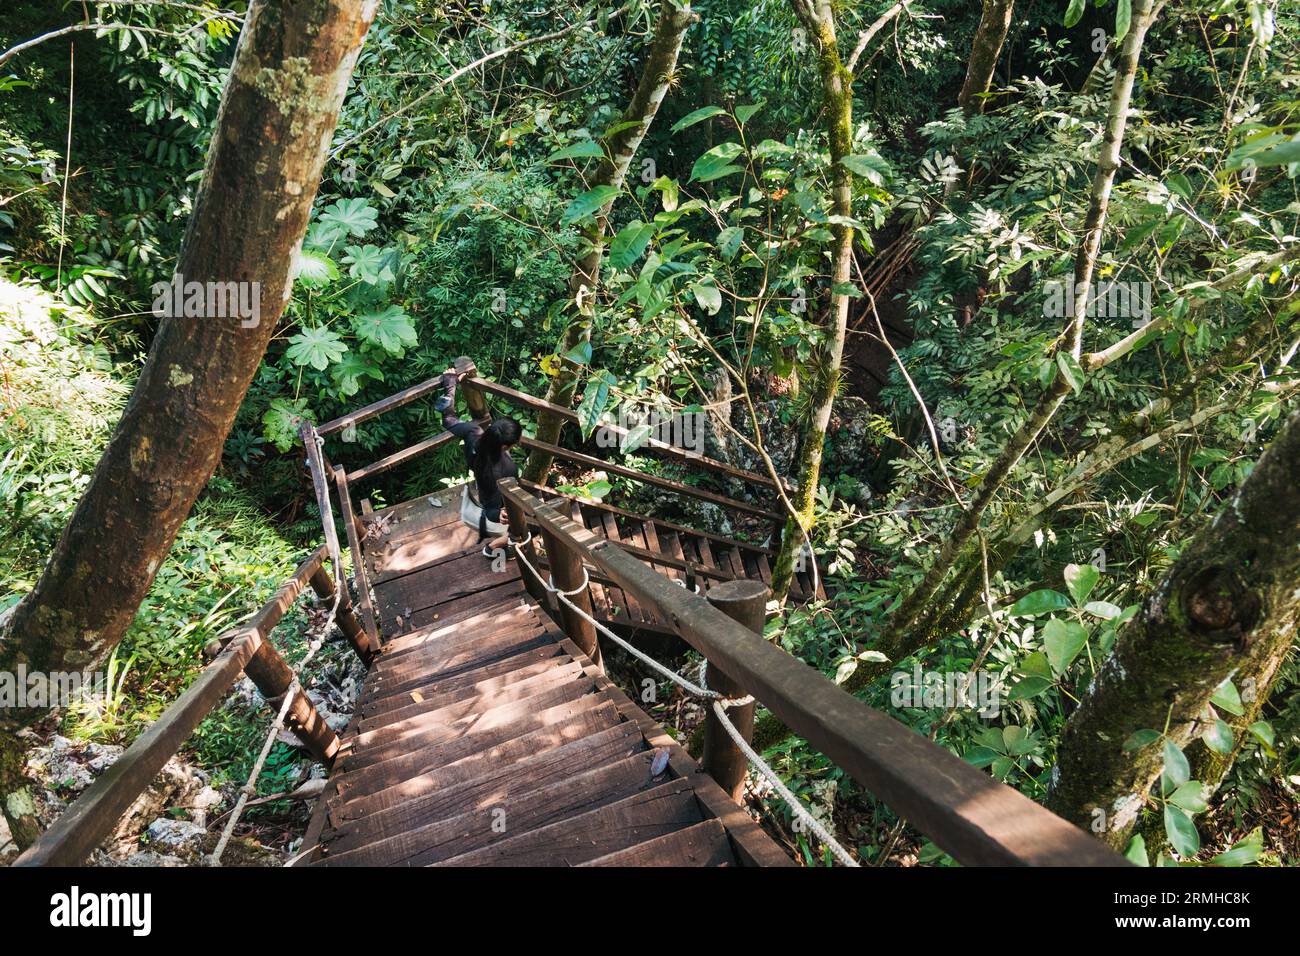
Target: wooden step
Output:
[(492, 692), (460, 659), (433, 656), (704, 844), (506, 722), (500, 592), (446, 688), (557, 725), (492, 819), (651, 813), (489, 615), (529, 762)]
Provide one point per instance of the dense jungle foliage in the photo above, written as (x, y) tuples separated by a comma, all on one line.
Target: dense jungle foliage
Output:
[(453, 209)]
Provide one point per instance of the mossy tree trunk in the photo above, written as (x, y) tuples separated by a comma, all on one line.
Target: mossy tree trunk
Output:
[(278, 111), (902, 627), (619, 147), (990, 35), (1227, 608), (818, 18)]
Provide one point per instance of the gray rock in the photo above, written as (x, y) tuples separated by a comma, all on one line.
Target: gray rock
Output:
[(175, 835)]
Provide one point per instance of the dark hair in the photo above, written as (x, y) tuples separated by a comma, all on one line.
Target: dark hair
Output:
[(502, 432)]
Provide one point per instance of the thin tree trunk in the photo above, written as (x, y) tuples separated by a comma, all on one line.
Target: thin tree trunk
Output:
[(995, 21), (278, 111), (1229, 606), (818, 19), (620, 148), (769, 730), (1070, 343)]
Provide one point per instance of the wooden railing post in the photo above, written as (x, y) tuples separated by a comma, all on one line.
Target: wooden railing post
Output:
[(475, 400), (745, 601), (274, 678), (322, 582), (518, 525), (566, 572)]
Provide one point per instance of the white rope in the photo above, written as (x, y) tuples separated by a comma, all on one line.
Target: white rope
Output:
[(291, 692), (720, 705)]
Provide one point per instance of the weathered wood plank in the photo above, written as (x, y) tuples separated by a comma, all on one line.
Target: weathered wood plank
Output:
[(704, 844)]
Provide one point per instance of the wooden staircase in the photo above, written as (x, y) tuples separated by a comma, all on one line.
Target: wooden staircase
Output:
[(483, 736)]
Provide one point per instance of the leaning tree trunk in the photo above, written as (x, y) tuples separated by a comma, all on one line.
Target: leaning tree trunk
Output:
[(278, 111), (995, 21), (619, 147), (1228, 607), (818, 19)]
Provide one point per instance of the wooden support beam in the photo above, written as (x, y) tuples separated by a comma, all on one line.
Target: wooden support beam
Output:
[(745, 602), (358, 559), (475, 400), (517, 522), (322, 582)]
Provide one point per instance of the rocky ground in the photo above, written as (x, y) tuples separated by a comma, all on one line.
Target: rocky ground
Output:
[(177, 821)]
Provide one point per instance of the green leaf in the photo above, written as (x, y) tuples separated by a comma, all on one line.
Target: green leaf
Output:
[(1244, 852), (708, 296), (1029, 687), (582, 149), (588, 203), (1177, 771), (314, 269), (698, 116), (669, 189), (1062, 642), (1262, 731), (317, 347), (1137, 851), (630, 244), (1181, 832), (1074, 12), (871, 168), (281, 420), (370, 264), (980, 756), (389, 328), (1103, 609), (1225, 697), (580, 354), (1141, 738), (716, 163), (1123, 17), (1070, 370), (729, 241), (1081, 579), (1218, 736), (1036, 665), (1191, 797), (595, 399), (349, 371), (1042, 601), (745, 113), (1284, 154), (354, 217)]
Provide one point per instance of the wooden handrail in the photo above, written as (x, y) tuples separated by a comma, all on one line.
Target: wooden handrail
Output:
[(475, 382), (242, 650), (973, 817), (359, 577), (646, 478), (661, 449)]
